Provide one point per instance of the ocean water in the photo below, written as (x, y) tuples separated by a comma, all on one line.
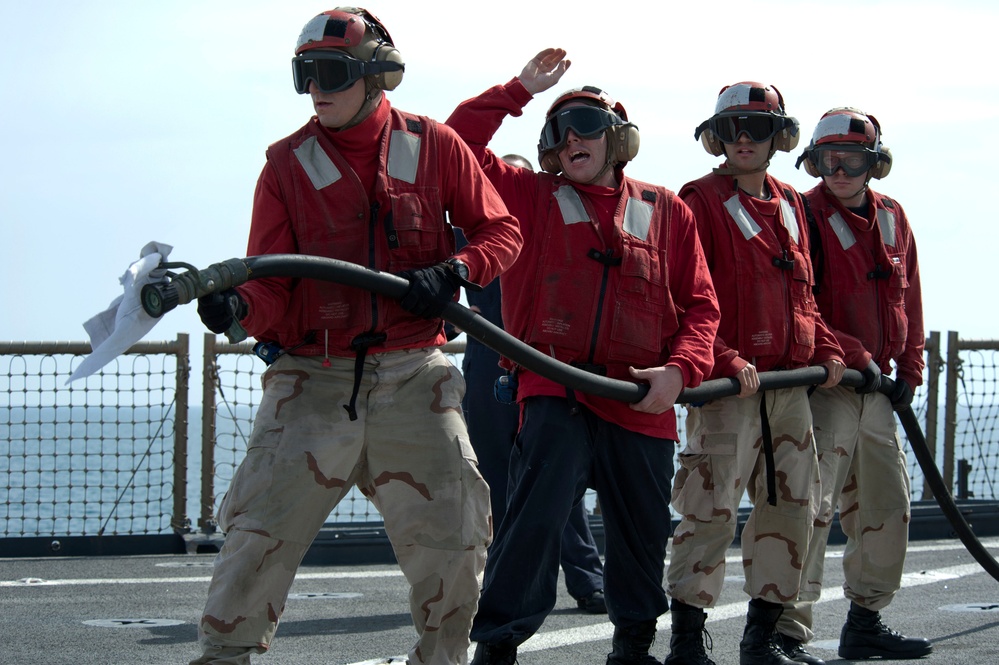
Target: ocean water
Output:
[(110, 469)]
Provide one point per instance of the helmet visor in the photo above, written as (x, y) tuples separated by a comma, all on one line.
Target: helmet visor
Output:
[(586, 121), (758, 127), (854, 160), (334, 71)]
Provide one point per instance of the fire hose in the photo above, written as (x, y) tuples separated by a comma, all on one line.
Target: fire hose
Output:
[(185, 287)]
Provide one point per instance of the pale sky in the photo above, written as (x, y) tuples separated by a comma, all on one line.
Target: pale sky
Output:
[(125, 122)]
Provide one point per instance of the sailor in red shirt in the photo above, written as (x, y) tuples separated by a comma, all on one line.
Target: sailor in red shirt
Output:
[(755, 240), (359, 393), (867, 288), (612, 279)]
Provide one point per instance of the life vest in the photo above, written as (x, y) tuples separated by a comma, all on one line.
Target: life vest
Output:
[(861, 285), (767, 289), (572, 296), (403, 227)]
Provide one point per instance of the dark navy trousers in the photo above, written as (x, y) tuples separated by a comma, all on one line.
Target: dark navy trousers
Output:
[(558, 455)]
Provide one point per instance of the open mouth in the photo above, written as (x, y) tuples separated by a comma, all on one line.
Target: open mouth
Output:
[(578, 156)]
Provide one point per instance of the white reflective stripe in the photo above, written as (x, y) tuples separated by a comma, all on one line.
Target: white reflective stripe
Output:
[(842, 231), (746, 223), (313, 30), (317, 164), (571, 205), (832, 125), (790, 220), (637, 218), (404, 156), (736, 95), (886, 220)]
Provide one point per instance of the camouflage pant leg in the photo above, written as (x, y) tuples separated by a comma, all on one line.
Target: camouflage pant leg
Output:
[(874, 509), (836, 420), (775, 538), (721, 452), (303, 456), (864, 473), (422, 476)]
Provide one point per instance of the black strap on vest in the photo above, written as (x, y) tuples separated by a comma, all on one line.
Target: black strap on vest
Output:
[(606, 257), (814, 247), (360, 346), (768, 452)]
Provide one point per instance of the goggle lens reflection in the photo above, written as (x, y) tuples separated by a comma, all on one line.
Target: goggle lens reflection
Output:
[(853, 162), (758, 128), (586, 121)]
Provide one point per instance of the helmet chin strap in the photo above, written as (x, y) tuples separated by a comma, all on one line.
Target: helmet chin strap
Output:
[(730, 170), (372, 98)]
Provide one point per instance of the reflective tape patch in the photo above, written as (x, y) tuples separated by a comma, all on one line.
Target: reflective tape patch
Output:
[(790, 220), (736, 95), (637, 218), (317, 164), (886, 220), (842, 231), (571, 205), (832, 125), (404, 156), (746, 223)]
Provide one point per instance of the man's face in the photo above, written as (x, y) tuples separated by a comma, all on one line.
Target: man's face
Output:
[(845, 187), (582, 159), (336, 109), (746, 155)]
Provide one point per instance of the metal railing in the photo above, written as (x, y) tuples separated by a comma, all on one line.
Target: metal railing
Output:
[(108, 455)]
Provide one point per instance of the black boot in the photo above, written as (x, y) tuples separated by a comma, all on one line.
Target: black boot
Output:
[(632, 644), (864, 635), (494, 654), (796, 651), (759, 645), (686, 643)]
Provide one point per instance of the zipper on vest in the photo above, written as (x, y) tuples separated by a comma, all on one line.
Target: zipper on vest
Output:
[(606, 258), (372, 255)]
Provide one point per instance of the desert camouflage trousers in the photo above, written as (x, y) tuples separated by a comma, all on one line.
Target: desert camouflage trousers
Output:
[(863, 470), (408, 452), (724, 458)]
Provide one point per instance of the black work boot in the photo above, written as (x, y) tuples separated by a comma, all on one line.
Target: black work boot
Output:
[(632, 644), (759, 644), (796, 651), (864, 635), (494, 654), (686, 642)]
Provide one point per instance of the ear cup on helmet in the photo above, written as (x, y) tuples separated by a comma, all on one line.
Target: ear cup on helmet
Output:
[(550, 162), (624, 141), (711, 143), (883, 167), (786, 139), (385, 52), (810, 166)]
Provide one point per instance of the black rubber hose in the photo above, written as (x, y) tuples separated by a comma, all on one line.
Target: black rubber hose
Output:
[(232, 273)]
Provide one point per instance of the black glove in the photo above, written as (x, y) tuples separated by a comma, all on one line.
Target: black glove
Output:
[(430, 290), (218, 311), (872, 378), (901, 397)]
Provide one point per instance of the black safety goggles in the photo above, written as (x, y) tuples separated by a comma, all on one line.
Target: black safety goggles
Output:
[(334, 71), (758, 127), (587, 121), (854, 160)]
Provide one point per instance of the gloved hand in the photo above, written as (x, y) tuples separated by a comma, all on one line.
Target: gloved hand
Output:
[(430, 290), (872, 378), (901, 397), (219, 310)]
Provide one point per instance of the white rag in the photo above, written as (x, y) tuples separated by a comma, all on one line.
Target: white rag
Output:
[(124, 322)]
